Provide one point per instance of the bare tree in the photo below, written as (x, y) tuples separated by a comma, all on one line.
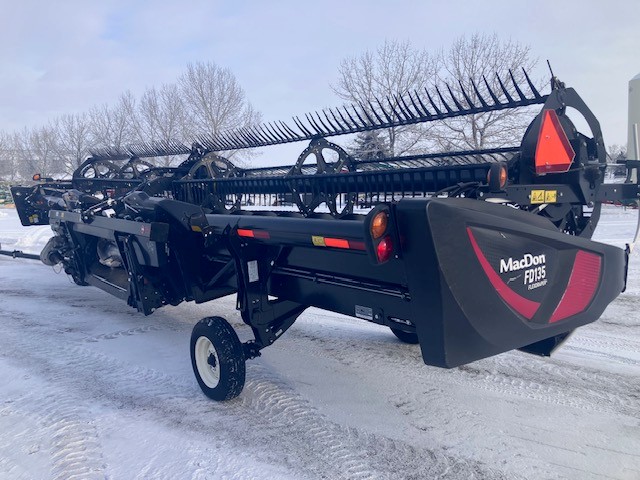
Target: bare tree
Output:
[(36, 152), (114, 126), (207, 100), (394, 68), (7, 163), (73, 139), (476, 58), (214, 99)]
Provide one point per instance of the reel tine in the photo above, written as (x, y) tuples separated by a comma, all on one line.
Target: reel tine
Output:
[(333, 127), (284, 135), (371, 123), (516, 86), (272, 133), (391, 106), (224, 141), (301, 127), (424, 108), (496, 100), (253, 134), (328, 130), (444, 103), (416, 108), (353, 122), (263, 133), (400, 107), (210, 142), (535, 92), (384, 112), (455, 100), (247, 134), (504, 90), (480, 98), (275, 136), (244, 132), (466, 97), (260, 131), (314, 125), (228, 141), (237, 138), (350, 126), (433, 104), (201, 142), (362, 124), (380, 121), (295, 135), (407, 109), (342, 127)]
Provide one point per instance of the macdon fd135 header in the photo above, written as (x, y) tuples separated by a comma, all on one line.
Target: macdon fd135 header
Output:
[(468, 253)]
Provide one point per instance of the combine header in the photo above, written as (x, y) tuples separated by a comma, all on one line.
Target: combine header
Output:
[(468, 253)]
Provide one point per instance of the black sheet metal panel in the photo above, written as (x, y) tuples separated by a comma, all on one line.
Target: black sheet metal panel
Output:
[(477, 282)]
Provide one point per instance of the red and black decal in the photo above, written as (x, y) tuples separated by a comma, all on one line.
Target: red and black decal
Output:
[(528, 275)]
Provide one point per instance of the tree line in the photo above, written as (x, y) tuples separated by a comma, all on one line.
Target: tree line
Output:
[(207, 99)]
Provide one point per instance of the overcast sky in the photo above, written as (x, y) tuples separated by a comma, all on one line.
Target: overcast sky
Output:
[(66, 56)]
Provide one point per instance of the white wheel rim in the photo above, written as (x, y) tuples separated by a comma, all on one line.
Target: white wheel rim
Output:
[(209, 374)]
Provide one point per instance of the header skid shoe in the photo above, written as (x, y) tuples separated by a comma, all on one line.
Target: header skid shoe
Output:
[(485, 279)]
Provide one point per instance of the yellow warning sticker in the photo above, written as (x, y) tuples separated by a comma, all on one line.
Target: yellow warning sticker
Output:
[(544, 196), (537, 196), (550, 196), (318, 241)]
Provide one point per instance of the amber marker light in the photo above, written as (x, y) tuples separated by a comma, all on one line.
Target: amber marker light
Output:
[(379, 224)]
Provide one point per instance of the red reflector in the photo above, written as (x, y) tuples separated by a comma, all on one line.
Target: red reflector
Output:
[(384, 249), (261, 234), (245, 233), (336, 242), (525, 307), (253, 233), (356, 245), (554, 152), (583, 282)]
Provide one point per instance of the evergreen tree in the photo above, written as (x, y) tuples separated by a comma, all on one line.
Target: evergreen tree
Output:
[(370, 146)]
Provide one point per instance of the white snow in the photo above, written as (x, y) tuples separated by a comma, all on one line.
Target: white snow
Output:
[(89, 388)]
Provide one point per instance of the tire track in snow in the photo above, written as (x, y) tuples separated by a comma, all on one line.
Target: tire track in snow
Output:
[(122, 333), (605, 355), (74, 444), (268, 408), (603, 341), (509, 373)]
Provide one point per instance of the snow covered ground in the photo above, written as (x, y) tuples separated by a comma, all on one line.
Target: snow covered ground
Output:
[(89, 388)]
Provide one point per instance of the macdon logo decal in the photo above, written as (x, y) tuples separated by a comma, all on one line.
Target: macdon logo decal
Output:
[(534, 266)]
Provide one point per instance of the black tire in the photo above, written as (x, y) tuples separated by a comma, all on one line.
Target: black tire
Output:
[(405, 337), (217, 358)]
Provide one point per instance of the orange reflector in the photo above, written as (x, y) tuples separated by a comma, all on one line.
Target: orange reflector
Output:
[(379, 224), (554, 153), (501, 181), (36, 177)]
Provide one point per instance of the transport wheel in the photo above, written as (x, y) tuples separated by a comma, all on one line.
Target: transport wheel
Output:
[(217, 358), (406, 337)]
